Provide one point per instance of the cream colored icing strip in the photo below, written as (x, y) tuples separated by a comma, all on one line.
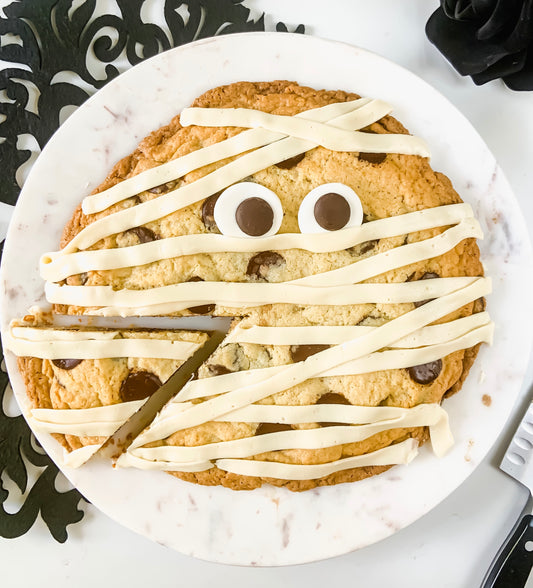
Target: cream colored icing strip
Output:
[(217, 180), (233, 294), (91, 429), (78, 457), (318, 438), (369, 111), (395, 258), (376, 361), (56, 266), (97, 414), (326, 135), (105, 420), (400, 453), (431, 415), (334, 335), (328, 359), (96, 349)]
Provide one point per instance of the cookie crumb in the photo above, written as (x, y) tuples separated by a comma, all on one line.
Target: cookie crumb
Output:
[(486, 399)]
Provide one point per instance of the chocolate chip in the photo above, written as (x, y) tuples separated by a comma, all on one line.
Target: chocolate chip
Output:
[(266, 428), (375, 158), (332, 398), (364, 247), (215, 369), (144, 234), (426, 372), (208, 213), (291, 162), (259, 264), (66, 364), (202, 309), (83, 278), (254, 216), (332, 211), (195, 279), (162, 188), (302, 352), (426, 276), (139, 385)]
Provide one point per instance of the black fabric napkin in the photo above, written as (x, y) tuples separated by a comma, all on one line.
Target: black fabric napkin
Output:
[(486, 39)]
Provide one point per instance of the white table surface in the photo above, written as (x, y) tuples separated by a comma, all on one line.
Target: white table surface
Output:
[(453, 545)]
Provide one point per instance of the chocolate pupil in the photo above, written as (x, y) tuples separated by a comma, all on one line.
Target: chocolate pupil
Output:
[(139, 385), (332, 211), (254, 216)]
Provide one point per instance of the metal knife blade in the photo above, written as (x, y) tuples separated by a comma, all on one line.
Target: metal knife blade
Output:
[(513, 563), (122, 438)]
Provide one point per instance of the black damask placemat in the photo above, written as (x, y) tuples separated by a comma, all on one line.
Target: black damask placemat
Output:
[(41, 39)]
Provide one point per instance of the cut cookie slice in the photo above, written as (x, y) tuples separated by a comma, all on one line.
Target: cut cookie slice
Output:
[(85, 383)]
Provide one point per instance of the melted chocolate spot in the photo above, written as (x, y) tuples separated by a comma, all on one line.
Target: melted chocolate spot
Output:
[(259, 264), (66, 364), (291, 162), (375, 158), (144, 234), (254, 216), (332, 211), (302, 352), (208, 213), (215, 369), (426, 372), (426, 276), (265, 428), (162, 188), (368, 245), (139, 385), (332, 398)]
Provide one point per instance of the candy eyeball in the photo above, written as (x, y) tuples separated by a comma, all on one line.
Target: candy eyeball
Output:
[(330, 207), (248, 210)]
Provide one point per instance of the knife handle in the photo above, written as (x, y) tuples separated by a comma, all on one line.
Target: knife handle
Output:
[(513, 563)]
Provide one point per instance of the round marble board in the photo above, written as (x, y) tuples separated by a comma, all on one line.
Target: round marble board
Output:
[(272, 526)]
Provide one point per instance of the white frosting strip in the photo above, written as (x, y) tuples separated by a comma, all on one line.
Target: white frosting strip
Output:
[(217, 180), (78, 457), (368, 110), (48, 344), (334, 335), (328, 359), (96, 421), (400, 453), (431, 415), (56, 266), (378, 361), (238, 294), (327, 136), (395, 258), (317, 438)]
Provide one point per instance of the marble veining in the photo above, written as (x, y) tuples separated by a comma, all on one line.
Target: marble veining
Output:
[(272, 526)]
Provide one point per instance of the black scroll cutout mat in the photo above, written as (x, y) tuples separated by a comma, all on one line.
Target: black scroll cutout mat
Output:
[(48, 37)]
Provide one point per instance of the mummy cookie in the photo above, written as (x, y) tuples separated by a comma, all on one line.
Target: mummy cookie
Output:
[(350, 267)]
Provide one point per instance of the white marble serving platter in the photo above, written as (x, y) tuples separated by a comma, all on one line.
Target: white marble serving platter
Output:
[(272, 526)]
